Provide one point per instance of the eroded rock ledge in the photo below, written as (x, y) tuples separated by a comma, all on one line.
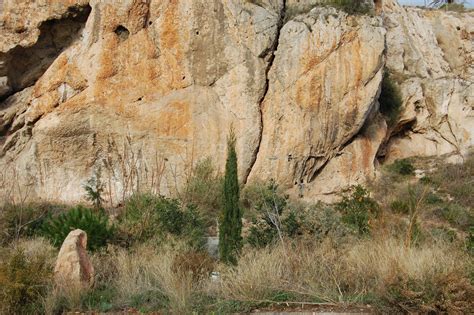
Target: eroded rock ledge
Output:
[(143, 89)]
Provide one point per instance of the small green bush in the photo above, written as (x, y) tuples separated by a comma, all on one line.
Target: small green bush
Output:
[(148, 217), (400, 206), (351, 6), (433, 199), (390, 100), (402, 167), (357, 209), (457, 215), (270, 205), (24, 281), (94, 223), (315, 222)]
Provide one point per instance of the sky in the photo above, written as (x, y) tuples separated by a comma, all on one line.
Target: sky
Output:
[(469, 3)]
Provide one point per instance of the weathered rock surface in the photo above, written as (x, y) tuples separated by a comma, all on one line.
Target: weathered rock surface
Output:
[(323, 84), (150, 88), (73, 267), (143, 89), (430, 53)]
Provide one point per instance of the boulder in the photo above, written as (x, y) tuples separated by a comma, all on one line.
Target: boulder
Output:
[(73, 267)]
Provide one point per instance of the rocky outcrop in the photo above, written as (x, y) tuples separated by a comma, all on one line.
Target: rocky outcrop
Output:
[(149, 89), (323, 85), (430, 54), (140, 90), (73, 268)]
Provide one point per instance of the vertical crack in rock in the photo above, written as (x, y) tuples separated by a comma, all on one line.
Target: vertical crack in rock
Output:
[(270, 54)]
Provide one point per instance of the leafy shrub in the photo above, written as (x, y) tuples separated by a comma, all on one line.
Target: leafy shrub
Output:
[(204, 190), (147, 217), (94, 223), (390, 100), (358, 209), (322, 221), (270, 205), (24, 280), (261, 234), (402, 167), (24, 220)]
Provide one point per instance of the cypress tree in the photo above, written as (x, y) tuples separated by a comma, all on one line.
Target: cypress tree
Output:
[(230, 228)]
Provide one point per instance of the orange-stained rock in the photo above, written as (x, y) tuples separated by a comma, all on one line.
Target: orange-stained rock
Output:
[(323, 84), (144, 89), (73, 267)]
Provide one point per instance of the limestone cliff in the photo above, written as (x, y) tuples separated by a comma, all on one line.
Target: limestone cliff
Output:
[(143, 89)]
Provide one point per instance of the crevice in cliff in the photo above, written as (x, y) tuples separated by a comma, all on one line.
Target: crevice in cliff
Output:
[(25, 65), (270, 54)]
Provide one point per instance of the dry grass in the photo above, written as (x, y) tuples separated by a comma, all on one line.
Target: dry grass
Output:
[(386, 272), (262, 275), (150, 270), (433, 277)]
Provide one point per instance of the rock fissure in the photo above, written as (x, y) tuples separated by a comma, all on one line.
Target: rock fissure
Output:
[(271, 57)]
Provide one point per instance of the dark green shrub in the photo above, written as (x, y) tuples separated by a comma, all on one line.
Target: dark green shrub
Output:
[(402, 167), (470, 241), (269, 204), (261, 234), (292, 224), (94, 223), (230, 228), (390, 100), (23, 282), (358, 209), (147, 217), (24, 220)]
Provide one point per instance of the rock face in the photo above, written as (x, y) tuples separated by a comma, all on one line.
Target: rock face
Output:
[(430, 54), (141, 90), (73, 267), (323, 85)]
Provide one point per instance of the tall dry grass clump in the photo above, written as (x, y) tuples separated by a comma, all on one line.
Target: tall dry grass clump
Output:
[(312, 273), (385, 273), (148, 272), (432, 277)]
